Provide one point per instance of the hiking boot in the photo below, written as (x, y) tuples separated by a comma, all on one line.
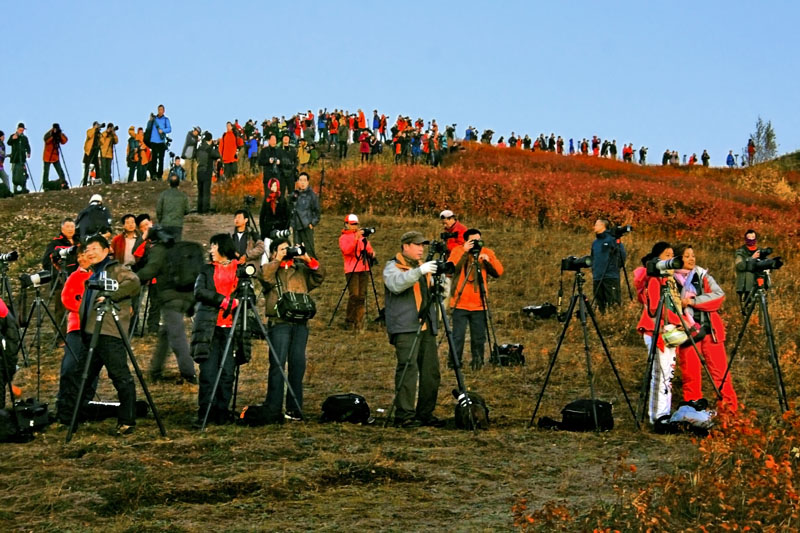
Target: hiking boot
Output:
[(294, 416), (408, 423), (433, 422), (191, 380), (476, 364), (124, 429)]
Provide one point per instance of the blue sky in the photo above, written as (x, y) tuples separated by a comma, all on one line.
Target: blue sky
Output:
[(678, 75)]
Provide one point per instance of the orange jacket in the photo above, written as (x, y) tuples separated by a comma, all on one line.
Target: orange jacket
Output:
[(228, 146), (50, 154), (71, 296), (467, 295), (362, 120), (352, 245)]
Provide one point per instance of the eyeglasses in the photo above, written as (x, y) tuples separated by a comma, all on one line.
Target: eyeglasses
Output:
[(353, 223)]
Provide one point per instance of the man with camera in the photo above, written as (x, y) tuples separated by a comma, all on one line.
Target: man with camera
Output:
[(358, 259), (158, 126), (248, 244), (467, 294), (229, 145), (60, 258), (306, 214), (91, 150), (189, 152), (290, 270), (409, 293), (608, 256), (171, 208), (270, 159), (20, 153), (746, 280), (108, 139), (53, 140), (289, 163), (207, 155), (110, 350)]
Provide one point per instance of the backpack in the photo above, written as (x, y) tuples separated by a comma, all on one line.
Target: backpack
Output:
[(347, 407), (256, 415), (31, 416), (91, 220), (474, 403), (186, 258), (148, 132), (578, 416)]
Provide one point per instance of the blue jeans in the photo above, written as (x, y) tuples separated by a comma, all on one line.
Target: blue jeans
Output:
[(289, 341)]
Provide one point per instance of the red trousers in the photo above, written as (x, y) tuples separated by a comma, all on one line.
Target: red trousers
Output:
[(717, 361)]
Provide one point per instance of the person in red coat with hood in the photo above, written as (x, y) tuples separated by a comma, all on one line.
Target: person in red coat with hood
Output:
[(229, 146), (358, 258), (53, 139)]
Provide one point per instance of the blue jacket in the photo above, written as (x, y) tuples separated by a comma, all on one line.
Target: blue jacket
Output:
[(376, 122), (252, 148), (731, 162), (162, 124), (606, 262)]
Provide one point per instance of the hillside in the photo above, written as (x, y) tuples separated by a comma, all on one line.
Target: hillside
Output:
[(534, 209)]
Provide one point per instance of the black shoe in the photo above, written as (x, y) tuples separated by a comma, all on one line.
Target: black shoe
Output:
[(434, 422), (293, 416), (192, 380), (408, 423), (124, 429), (476, 364)]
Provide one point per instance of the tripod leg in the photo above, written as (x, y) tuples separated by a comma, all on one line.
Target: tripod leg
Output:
[(570, 312), (773, 354), (341, 296), (6, 289), (225, 351), (613, 366), (235, 386), (25, 332), (644, 392), (582, 303), (381, 312), (748, 311), (138, 371), (85, 376)]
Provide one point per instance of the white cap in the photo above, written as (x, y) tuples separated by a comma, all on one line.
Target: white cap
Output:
[(96, 198), (446, 214), (351, 219)]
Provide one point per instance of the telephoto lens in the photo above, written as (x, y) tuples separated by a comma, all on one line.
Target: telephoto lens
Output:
[(9, 257)]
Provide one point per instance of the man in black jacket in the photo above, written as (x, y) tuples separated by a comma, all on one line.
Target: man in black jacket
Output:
[(174, 304), (51, 260), (306, 214), (207, 154), (271, 160), (20, 152), (189, 153)]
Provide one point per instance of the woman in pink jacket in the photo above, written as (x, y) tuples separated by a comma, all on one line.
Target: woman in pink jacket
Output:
[(358, 258)]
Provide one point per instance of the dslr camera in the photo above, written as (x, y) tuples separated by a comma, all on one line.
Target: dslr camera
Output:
[(574, 264), (477, 246), (35, 280), (103, 284), (620, 231), (447, 235), (9, 257), (280, 234), (249, 200), (658, 269), (367, 231), (245, 271), (295, 251), (763, 263), (545, 311)]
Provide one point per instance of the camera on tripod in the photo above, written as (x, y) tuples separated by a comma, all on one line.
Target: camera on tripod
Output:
[(64, 253), (477, 246), (295, 251), (574, 264), (280, 234), (103, 284), (246, 271), (249, 200), (659, 269), (9, 257), (35, 280), (442, 267), (367, 231), (620, 231), (763, 263), (447, 235)]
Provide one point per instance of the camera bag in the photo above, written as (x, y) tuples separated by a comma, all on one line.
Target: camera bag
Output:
[(346, 407), (186, 259), (578, 416), (471, 402), (5, 192), (31, 416), (294, 306)]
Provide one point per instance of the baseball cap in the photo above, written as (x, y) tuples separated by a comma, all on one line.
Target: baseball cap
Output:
[(446, 214), (413, 237), (21, 125), (96, 198), (351, 219)]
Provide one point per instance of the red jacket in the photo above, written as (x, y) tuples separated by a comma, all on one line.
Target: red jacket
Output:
[(229, 144), (364, 140), (466, 295), (459, 228), (50, 154), (652, 295), (352, 245), (118, 246), (71, 296)]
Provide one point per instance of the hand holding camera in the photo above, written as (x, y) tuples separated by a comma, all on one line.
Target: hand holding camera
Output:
[(429, 267)]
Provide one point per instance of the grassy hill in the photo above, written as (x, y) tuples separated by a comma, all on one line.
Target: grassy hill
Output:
[(533, 209)]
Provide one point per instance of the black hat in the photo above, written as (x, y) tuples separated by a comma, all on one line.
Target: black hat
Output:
[(56, 126), (2, 133), (207, 136), (21, 125)]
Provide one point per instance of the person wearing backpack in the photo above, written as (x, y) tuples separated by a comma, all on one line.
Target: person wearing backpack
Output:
[(164, 259), (172, 206), (93, 219)]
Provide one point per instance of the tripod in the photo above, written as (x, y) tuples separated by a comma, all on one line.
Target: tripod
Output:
[(758, 296), (29, 176), (5, 294), (135, 320), (37, 306), (107, 306), (66, 170), (116, 162), (364, 259), (435, 297), (491, 336), (579, 299), (644, 393), (240, 318)]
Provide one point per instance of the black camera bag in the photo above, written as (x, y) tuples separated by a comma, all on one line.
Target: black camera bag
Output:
[(256, 415), (295, 307), (474, 403), (31, 416), (347, 407), (508, 355), (186, 259), (578, 416)]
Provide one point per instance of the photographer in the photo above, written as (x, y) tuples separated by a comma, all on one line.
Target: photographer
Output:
[(451, 225), (746, 281), (158, 126), (287, 273), (53, 140), (174, 303), (171, 208), (110, 350), (132, 158), (358, 259), (289, 163), (249, 247), (207, 155), (229, 145), (270, 159), (20, 153), (608, 256), (108, 139), (701, 299), (94, 218), (306, 213), (9, 345), (468, 305), (125, 243), (91, 150), (189, 152), (407, 282), (51, 260)]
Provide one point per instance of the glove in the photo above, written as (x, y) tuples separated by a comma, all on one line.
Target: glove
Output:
[(428, 268)]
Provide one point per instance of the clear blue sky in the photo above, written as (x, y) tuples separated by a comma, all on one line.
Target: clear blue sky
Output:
[(678, 75)]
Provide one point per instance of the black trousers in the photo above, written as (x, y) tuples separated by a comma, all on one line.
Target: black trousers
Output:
[(606, 293), (203, 190), (157, 162)]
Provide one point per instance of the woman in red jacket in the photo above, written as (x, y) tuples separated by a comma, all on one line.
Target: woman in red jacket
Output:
[(358, 257), (229, 146), (364, 148), (701, 299)]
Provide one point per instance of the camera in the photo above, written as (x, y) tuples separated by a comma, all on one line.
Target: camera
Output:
[(103, 284), (574, 264), (101, 125), (764, 252), (167, 140), (447, 235), (9, 257), (477, 246), (756, 266), (367, 231), (656, 268), (112, 127), (510, 355), (245, 270), (249, 200), (280, 234), (295, 251), (546, 310), (35, 280), (620, 231), (445, 267), (437, 247), (172, 154), (63, 253)]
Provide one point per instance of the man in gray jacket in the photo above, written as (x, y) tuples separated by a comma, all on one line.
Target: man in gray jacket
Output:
[(306, 214), (172, 206), (408, 293)]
